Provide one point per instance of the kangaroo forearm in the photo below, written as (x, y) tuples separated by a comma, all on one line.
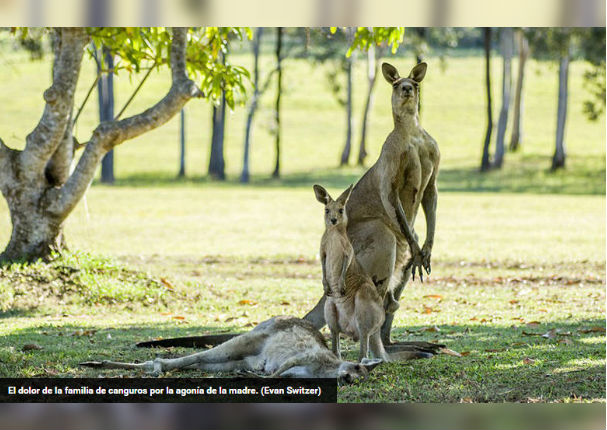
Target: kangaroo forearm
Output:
[(404, 226), (429, 205)]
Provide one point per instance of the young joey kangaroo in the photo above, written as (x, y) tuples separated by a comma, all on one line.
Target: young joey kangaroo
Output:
[(353, 305)]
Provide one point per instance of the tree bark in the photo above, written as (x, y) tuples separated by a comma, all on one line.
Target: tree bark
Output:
[(485, 161), (39, 208), (245, 175), (217, 161), (558, 159), (506, 45), (517, 127), (276, 172), (372, 66)]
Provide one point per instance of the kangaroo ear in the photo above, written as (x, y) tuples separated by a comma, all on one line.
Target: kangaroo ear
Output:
[(343, 199), (371, 363), (321, 194), (390, 72), (418, 72)]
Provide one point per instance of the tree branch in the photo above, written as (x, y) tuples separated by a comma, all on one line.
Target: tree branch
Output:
[(42, 142), (109, 134)]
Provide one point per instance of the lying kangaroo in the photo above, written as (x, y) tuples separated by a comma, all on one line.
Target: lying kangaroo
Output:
[(384, 203), (282, 346), (353, 305)]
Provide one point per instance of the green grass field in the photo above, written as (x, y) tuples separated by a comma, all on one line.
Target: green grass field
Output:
[(518, 253)]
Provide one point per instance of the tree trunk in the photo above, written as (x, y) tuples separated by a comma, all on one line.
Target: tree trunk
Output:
[(38, 207), (517, 127), (276, 173), (372, 66), (421, 32), (105, 89), (558, 159), (245, 175), (506, 46), (217, 161), (485, 162), (345, 154), (181, 173)]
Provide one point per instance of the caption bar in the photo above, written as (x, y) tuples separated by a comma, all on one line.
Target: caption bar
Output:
[(162, 390)]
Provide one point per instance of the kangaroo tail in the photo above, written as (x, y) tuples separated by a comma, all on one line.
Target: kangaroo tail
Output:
[(189, 341)]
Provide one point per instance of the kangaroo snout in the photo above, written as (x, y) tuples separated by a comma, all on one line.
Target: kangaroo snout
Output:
[(333, 221)]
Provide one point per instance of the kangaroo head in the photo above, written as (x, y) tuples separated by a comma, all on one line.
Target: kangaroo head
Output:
[(335, 210), (405, 91), (349, 372)]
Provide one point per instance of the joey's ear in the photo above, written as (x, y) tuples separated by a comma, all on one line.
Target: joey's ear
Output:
[(371, 363), (390, 73), (418, 72), (321, 194), (343, 199)]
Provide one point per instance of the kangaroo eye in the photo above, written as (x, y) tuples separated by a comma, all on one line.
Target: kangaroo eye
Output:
[(327, 211), (341, 211)]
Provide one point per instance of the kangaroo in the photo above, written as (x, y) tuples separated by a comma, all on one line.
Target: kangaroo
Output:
[(383, 204), (353, 305), (283, 346)]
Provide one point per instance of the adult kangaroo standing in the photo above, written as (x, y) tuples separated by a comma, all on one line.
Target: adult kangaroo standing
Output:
[(384, 203)]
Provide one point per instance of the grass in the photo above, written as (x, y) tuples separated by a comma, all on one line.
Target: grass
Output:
[(518, 252)]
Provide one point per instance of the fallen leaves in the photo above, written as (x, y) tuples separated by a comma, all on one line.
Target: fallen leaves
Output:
[(596, 329), (528, 361), (167, 284), (433, 296), (448, 351), (247, 302), (31, 347)]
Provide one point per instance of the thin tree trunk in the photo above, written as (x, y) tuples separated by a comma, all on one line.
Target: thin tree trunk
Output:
[(181, 173), (517, 126), (217, 160), (276, 173), (558, 159), (418, 59), (105, 88), (372, 66), (345, 154), (506, 46), (245, 175), (485, 161)]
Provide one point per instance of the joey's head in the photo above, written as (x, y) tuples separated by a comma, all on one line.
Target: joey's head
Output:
[(349, 372), (335, 210), (405, 91)]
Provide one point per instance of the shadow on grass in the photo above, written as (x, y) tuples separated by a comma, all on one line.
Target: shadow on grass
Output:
[(528, 174), (500, 363)]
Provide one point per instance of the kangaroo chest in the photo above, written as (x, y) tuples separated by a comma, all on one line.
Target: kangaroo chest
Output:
[(417, 167), (337, 248)]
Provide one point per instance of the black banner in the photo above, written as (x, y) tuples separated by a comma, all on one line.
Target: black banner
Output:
[(163, 390)]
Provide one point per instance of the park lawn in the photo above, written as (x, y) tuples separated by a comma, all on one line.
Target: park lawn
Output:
[(507, 269)]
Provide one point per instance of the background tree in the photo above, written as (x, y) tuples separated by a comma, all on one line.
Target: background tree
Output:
[(279, 34), (40, 199), (502, 123), (217, 164), (517, 126), (105, 92), (373, 59), (348, 64), (485, 160), (181, 173)]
